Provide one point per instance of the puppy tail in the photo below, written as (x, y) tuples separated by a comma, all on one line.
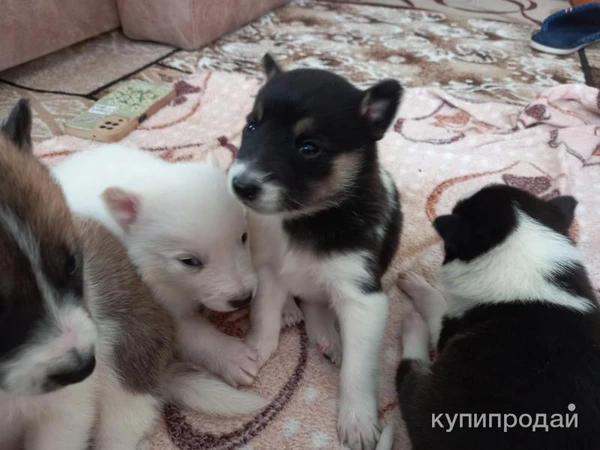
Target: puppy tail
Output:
[(386, 440), (189, 388)]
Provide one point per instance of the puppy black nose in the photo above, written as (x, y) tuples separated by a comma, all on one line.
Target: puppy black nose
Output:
[(79, 372), (238, 304), (244, 188)]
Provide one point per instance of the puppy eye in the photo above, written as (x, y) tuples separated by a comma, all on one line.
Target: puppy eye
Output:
[(244, 238), (309, 149), (251, 126), (71, 265), (190, 262)]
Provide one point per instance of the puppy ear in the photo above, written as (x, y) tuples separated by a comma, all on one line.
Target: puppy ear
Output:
[(17, 126), (448, 227), (123, 205), (379, 105), (566, 205), (270, 67)]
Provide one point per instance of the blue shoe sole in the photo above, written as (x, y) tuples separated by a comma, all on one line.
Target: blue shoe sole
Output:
[(567, 31)]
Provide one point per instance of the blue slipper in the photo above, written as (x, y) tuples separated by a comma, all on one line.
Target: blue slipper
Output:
[(567, 31)]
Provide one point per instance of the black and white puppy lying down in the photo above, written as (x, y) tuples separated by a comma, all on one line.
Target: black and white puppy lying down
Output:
[(324, 224), (518, 344)]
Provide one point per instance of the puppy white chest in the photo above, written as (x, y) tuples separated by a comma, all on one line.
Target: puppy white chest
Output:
[(301, 271), (317, 278), (304, 275)]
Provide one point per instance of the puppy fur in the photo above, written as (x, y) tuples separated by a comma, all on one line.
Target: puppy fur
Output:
[(520, 333), (47, 335), (86, 353), (185, 234), (325, 223)]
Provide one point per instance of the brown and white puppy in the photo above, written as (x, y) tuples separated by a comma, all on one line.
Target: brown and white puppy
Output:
[(86, 353)]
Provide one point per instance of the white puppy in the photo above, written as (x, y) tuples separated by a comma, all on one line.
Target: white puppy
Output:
[(186, 235)]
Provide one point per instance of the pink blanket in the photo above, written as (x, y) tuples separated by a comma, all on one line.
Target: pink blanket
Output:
[(438, 149)]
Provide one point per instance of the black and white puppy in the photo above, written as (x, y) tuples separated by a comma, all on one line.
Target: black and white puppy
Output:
[(325, 223), (518, 363)]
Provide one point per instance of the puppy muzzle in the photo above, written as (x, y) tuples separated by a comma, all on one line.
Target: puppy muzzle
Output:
[(240, 303)]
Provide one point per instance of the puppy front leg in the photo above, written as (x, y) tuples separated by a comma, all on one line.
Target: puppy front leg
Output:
[(427, 300), (362, 321), (265, 314), (224, 355)]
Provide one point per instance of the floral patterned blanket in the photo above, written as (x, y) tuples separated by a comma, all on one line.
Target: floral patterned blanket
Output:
[(439, 148)]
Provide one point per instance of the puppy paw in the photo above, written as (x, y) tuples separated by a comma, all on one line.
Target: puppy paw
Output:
[(424, 296), (358, 430), (239, 363), (322, 333), (292, 315), (330, 346), (264, 347), (414, 285)]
